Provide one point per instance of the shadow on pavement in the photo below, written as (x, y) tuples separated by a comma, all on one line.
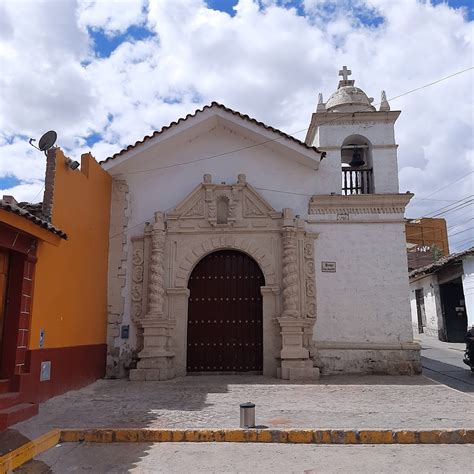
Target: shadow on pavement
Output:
[(450, 375)]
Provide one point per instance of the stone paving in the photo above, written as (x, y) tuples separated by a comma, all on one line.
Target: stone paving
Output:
[(377, 402)]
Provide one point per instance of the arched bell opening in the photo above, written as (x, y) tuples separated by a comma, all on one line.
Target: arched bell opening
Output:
[(357, 168), (225, 314)]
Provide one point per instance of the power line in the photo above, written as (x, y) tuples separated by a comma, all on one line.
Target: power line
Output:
[(461, 224), (352, 114), (461, 232), (445, 208), (456, 208), (279, 138), (449, 184)]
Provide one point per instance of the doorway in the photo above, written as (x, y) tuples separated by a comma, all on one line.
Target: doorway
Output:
[(225, 318)]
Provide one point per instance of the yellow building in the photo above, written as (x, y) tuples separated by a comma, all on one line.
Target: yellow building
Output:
[(53, 287)]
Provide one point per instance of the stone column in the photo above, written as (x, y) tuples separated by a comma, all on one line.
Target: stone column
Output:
[(157, 357), (295, 361)]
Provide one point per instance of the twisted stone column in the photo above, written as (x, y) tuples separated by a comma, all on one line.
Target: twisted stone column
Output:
[(156, 290), (290, 273), (157, 357)]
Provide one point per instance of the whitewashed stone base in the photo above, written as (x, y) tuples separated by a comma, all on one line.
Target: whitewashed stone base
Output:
[(296, 370), (369, 361)]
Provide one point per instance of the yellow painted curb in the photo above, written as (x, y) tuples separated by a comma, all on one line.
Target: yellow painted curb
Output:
[(28, 451), (298, 436)]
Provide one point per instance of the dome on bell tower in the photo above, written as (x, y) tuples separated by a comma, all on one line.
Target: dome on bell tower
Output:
[(349, 98)]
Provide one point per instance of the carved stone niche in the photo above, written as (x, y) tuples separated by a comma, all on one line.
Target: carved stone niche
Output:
[(221, 206)]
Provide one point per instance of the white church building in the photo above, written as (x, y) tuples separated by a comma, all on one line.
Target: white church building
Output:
[(235, 247)]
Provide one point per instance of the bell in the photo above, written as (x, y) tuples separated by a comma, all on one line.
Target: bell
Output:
[(357, 158)]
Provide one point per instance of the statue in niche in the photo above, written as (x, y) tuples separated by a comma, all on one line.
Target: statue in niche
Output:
[(222, 210)]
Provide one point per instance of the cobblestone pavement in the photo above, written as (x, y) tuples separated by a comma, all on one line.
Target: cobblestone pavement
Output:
[(261, 458), (213, 401)]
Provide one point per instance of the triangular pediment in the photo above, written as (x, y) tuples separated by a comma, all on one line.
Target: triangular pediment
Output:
[(199, 123), (223, 205)]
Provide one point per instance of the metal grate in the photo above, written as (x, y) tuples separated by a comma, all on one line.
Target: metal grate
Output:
[(356, 181)]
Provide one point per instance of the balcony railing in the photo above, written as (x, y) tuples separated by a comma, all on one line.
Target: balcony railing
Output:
[(356, 181)]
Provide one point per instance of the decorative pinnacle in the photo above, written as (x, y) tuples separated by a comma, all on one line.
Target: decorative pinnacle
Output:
[(321, 107), (384, 105)]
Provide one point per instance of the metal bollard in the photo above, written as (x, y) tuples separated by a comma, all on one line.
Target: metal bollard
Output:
[(247, 415)]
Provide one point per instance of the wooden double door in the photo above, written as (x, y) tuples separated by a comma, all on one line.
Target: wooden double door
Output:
[(225, 327)]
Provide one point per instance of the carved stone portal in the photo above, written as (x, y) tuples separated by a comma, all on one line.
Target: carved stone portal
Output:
[(214, 217)]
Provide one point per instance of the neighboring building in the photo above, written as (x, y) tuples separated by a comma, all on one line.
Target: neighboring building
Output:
[(236, 247), (427, 240), (53, 284), (442, 297)]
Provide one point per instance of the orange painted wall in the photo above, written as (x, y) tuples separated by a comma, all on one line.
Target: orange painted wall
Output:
[(70, 291)]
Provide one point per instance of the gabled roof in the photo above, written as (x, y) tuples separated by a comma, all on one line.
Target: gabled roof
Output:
[(199, 111), (31, 217), (434, 267)]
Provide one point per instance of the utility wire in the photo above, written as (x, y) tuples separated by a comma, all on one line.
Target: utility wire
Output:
[(351, 114), (449, 184), (298, 131), (460, 232), (445, 208)]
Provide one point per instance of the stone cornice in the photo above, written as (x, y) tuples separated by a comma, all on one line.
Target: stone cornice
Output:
[(359, 204)]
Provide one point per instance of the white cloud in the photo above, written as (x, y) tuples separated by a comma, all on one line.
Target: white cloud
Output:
[(112, 16), (267, 62)]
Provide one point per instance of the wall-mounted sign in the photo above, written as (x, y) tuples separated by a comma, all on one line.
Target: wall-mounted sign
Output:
[(328, 267), (342, 216)]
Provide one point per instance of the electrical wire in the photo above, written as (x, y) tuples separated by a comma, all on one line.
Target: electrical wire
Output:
[(461, 232), (340, 116), (298, 131), (449, 184)]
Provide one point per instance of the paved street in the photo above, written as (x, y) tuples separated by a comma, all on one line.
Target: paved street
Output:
[(442, 361), (359, 402), (258, 458)]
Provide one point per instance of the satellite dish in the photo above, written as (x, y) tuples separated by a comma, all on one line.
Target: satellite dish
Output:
[(47, 140)]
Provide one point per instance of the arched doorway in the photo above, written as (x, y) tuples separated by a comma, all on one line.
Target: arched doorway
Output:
[(225, 324)]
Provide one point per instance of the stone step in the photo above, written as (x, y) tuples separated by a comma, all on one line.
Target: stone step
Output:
[(15, 414), (4, 385), (9, 399)]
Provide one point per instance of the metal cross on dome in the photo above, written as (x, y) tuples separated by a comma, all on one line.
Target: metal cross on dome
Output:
[(345, 73)]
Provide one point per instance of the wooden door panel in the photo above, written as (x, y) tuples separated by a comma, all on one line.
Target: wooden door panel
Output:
[(225, 314)]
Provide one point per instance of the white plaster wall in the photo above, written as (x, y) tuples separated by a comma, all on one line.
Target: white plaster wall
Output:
[(162, 189), (468, 287), (366, 300), (431, 296)]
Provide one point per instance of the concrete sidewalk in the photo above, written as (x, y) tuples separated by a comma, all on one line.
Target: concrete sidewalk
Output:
[(360, 402)]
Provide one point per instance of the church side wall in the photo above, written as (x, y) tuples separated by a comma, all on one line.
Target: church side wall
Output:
[(363, 321)]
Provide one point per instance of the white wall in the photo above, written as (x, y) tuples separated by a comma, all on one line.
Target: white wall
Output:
[(468, 286), (163, 189), (431, 296), (384, 151), (366, 299)]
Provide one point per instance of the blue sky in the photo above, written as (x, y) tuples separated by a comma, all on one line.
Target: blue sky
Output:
[(271, 64)]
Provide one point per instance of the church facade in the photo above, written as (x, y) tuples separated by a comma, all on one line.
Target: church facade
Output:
[(235, 247)]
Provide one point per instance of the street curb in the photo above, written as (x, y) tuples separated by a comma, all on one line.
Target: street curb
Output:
[(23, 454), (300, 436), (28, 451)]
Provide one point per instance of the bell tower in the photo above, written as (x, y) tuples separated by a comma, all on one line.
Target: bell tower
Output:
[(359, 140)]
